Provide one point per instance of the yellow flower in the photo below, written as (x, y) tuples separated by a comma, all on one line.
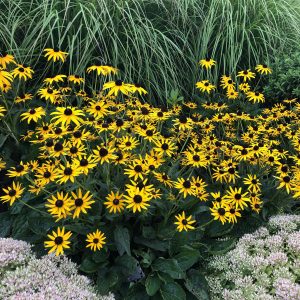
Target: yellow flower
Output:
[(246, 75), (255, 97), (55, 54), (12, 193), (185, 187), (207, 63), (2, 111), (81, 202), (22, 72), (115, 202), (263, 69), (59, 241), (75, 79), (5, 79), (137, 199), (57, 78), (235, 197), (220, 211), (95, 240), (184, 223), (117, 86), (205, 86), (104, 70), (6, 59), (59, 205), (66, 115), (33, 114)]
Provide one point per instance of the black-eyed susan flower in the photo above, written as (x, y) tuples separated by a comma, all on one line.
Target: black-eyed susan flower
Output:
[(256, 205), (233, 213), (220, 211), (136, 170), (67, 172), (66, 115), (19, 170), (117, 86), (55, 54), (237, 198), (85, 164), (184, 223), (103, 70), (184, 187), (96, 240), (49, 93), (59, 241), (205, 86), (46, 174), (12, 193), (55, 79), (81, 202), (244, 87), (2, 111), (255, 97), (115, 202), (263, 69), (137, 200), (232, 94), (2, 164), (207, 63), (98, 109), (23, 98), (227, 83), (76, 79), (5, 78), (253, 183), (22, 72), (33, 114), (164, 178), (284, 182), (246, 75), (59, 205), (104, 154), (138, 88), (164, 147), (6, 59)]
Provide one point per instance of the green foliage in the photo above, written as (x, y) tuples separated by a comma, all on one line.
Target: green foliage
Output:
[(157, 49), (285, 80)]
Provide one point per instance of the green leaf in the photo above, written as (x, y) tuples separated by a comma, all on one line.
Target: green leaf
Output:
[(153, 244), (88, 265), (137, 292), (40, 225), (172, 291), (106, 280), (152, 284), (169, 266), (221, 247), (187, 258), (197, 285), (100, 256), (5, 224), (122, 240), (128, 264)]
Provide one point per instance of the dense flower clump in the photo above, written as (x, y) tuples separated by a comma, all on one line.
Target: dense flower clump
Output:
[(263, 265), (23, 276)]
